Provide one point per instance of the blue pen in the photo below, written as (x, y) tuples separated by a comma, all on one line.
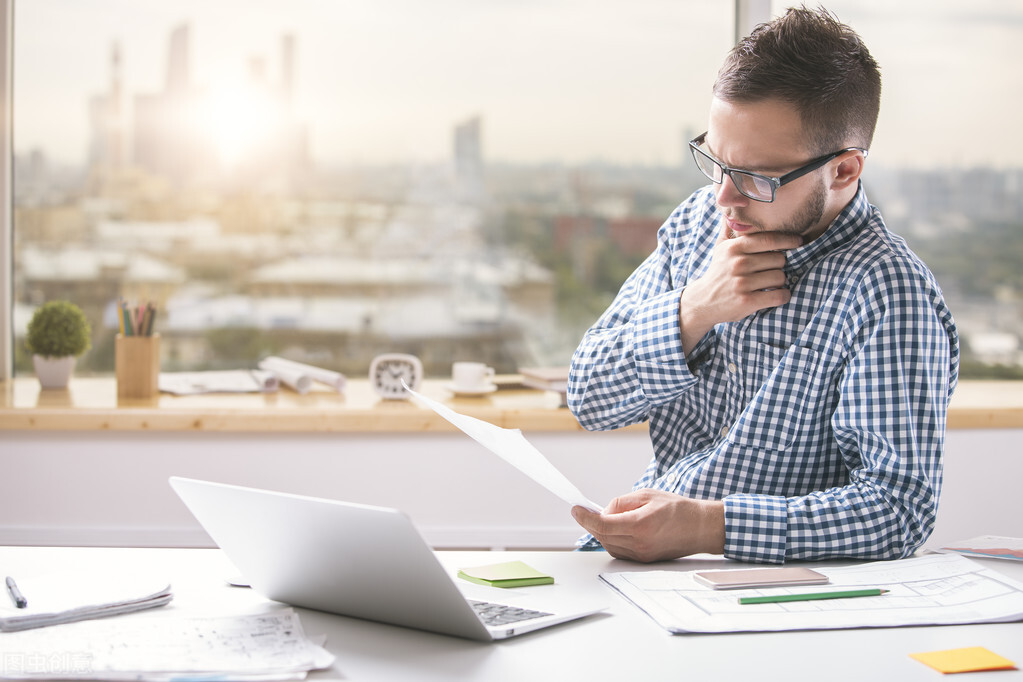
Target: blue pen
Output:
[(16, 596)]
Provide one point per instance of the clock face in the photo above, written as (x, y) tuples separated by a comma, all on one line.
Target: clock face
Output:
[(387, 371)]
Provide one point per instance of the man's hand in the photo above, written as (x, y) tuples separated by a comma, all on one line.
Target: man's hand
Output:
[(653, 525), (745, 275)]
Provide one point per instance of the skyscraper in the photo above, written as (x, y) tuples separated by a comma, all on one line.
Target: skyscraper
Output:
[(167, 141), (469, 160), (107, 122)]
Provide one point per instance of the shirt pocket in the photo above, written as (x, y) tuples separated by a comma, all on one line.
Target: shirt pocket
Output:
[(788, 404)]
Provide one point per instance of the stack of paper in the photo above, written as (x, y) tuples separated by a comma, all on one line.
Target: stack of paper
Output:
[(938, 589), (546, 378), (67, 597), (265, 646)]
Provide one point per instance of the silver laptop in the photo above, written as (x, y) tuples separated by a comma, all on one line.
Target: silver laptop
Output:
[(358, 560)]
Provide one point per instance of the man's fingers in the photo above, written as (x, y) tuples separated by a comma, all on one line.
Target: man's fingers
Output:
[(765, 280), (600, 524), (585, 518), (624, 503), (757, 262)]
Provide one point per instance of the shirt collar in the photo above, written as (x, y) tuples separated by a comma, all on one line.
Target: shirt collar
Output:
[(843, 228)]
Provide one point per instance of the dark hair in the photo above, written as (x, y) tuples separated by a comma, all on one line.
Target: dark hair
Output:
[(811, 60)]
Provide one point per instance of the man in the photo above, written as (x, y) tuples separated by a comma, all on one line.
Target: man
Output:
[(794, 359)]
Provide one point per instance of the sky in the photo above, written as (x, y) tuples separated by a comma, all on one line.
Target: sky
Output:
[(552, 80)]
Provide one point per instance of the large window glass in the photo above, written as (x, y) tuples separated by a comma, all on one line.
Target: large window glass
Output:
[(326, 181), (946, 167)]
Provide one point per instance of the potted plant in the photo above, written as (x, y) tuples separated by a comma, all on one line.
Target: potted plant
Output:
[(58, 334)]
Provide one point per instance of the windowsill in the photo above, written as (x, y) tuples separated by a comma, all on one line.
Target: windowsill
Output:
[(91, 404)]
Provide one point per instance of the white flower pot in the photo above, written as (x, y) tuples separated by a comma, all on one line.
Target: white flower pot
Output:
[(54, 372)]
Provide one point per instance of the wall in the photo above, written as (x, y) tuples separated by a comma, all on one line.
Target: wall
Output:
[(111, 488)]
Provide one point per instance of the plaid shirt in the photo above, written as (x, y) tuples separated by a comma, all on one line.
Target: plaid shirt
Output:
[(820, 423)]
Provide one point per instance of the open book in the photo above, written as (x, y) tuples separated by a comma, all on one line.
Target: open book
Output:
[(66, 597)]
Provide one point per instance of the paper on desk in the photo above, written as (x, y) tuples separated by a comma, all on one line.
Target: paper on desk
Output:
[(988, 547), (937, 589), (264, 646), (511, 446), (69, 596)]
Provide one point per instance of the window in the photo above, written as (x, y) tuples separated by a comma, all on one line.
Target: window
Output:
[(457, 179), (946, 167)]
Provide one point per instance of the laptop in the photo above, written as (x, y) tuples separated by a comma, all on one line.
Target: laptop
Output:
[(361, 561)]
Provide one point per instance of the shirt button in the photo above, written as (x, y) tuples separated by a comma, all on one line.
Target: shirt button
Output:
[(724, 432), (793, 279), (732, 369)]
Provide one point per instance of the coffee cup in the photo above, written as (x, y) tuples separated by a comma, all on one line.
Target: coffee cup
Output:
[(471, 376)]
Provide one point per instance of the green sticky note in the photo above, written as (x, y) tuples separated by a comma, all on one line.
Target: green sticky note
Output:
[(508, 574)]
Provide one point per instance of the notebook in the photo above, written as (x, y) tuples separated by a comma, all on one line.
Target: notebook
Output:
[(361, 561)]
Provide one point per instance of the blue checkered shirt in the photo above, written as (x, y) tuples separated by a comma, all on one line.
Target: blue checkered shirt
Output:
[(820, 423)]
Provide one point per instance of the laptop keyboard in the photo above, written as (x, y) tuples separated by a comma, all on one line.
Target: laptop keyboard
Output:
[(502, 614)]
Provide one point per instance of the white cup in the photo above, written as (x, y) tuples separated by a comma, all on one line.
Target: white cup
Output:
[(471, 376)]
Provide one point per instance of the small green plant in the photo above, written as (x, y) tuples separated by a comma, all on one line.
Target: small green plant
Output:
[(58, 329)]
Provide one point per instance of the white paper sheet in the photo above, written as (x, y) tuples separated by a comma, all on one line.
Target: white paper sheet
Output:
[(938, 589), (284, 367), (222, 381), (295, 379), (265, 646), (511, 446)]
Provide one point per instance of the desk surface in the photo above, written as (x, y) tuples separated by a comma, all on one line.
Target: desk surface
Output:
[(91, 404), (623, 644)]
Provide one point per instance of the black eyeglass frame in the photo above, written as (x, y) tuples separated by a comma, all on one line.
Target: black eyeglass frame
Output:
[(774, 183)]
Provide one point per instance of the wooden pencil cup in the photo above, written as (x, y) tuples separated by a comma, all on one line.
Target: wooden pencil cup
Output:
[(137, 365)]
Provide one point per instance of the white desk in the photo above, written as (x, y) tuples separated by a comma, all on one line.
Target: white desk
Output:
[(623, 644)]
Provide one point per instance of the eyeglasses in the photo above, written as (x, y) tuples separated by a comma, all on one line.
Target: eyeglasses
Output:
[(754, 185)]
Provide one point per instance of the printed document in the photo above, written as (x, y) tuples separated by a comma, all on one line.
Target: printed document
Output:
[(264, 646), (939, 589), (511, 446)]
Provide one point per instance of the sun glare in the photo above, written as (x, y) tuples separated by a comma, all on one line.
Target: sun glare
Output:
[(239, 120)]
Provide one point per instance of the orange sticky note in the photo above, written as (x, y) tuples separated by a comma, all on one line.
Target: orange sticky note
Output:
[(970, 659)]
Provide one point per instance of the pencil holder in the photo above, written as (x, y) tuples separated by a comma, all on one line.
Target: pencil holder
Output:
[(137, 365)]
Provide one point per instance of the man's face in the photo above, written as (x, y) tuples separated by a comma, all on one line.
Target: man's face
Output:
[(767, 137)]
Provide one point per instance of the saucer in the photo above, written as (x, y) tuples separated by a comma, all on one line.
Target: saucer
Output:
[(462, 390)]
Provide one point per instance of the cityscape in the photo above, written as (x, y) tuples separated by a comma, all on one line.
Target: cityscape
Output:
[(213, 206)]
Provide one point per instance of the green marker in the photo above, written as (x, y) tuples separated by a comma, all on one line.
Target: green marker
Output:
[(773, 599)]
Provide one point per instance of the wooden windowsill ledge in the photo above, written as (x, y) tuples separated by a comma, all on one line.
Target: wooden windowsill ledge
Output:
[(91, 404)]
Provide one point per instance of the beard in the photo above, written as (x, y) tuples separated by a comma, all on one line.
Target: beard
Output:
[(805, 220)]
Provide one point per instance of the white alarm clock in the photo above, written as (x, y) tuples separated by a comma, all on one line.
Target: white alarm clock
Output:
[(387, 370)]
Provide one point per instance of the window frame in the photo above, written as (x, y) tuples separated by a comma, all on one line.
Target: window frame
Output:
[(6, 201)]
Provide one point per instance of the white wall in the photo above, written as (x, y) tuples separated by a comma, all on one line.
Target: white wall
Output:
[(110, 488)]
